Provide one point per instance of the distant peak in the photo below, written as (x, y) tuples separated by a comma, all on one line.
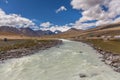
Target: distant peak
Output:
[(74, 29)]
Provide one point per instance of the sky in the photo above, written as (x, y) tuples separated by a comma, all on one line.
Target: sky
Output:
[(58, 14)]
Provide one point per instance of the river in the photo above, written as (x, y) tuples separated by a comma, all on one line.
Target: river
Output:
[(65, 62)]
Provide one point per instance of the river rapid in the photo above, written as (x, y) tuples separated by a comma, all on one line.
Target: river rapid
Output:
[(65, 62)]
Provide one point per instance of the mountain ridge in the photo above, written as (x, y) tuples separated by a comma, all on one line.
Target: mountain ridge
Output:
[(7, 30)]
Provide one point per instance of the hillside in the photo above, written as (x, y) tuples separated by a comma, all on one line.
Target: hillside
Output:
[(70, 33), (5, 30), (107, 26), (106, 30)]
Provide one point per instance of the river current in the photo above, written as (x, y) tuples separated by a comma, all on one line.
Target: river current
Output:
[(64, 62)]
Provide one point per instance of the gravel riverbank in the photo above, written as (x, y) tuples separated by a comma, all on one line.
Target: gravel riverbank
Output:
[(108, 57), (20, 52)]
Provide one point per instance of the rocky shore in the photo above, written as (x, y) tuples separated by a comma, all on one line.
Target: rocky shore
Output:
[(109, 58), (17, 53)]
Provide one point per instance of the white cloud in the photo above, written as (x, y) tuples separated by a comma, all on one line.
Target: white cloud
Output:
[(102, 22), (56, 27), (14, 20), (60, 28), (50, 26), (87, 4), (117, 20), (62, 8), (92, 10), (79, 25), (46, 24), (114, 8)]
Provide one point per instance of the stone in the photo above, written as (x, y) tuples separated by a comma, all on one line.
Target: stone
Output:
[(82, 75), (81, 52), (117, 69), (108, 62)]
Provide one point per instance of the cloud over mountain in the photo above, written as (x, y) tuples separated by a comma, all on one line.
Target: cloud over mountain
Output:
[(14, 20), (53, 28), (46, 24), (104, 11)]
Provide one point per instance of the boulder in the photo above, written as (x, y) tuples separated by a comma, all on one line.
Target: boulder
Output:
[(82, 75)]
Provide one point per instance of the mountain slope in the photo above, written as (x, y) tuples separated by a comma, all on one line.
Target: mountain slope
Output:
[(6, 30), (70, 33), (110, 29), (28, 32), (107, 26)]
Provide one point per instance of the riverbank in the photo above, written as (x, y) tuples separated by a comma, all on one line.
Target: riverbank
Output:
[(111, 58), (19, 48)]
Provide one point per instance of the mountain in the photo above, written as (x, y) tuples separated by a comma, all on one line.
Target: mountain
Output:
[(28, 32), (69, 33), (48, 32), (6, 30), (73, 29), (40, 32)]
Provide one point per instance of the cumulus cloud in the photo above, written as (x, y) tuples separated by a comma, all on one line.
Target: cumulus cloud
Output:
[(53, 28), (117, 20), (84, 26), (104, 11), (86, 4), (46, 24), (60, 28), (91, 9), (62, 8), (14, 20)]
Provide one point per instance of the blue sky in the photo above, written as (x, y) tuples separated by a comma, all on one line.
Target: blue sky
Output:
[(58, 14), (42, 10)]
